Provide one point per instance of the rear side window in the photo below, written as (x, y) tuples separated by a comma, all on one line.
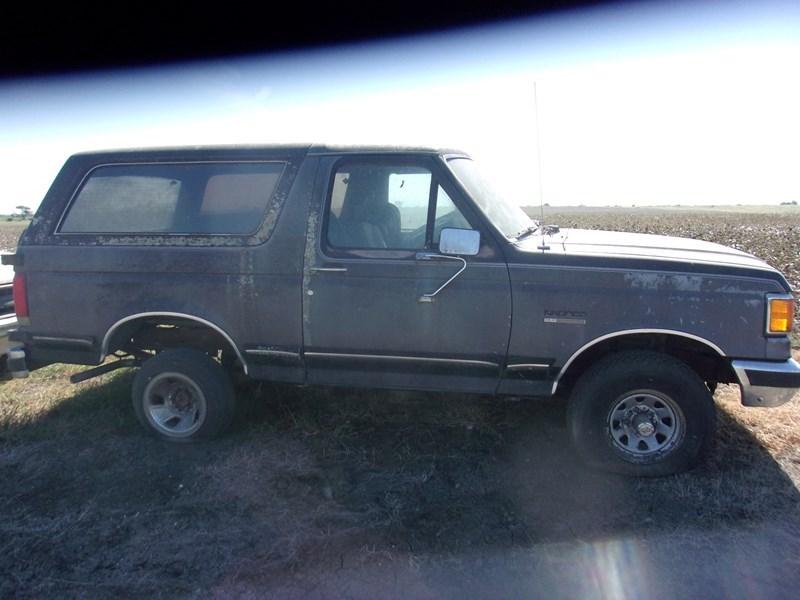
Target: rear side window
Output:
[(179, 198)]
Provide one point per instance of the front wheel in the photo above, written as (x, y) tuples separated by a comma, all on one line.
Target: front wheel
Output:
[(183, 395), (641, 413)]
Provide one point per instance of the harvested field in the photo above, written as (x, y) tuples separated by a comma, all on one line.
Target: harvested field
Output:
[(9, 234), (339, 493)]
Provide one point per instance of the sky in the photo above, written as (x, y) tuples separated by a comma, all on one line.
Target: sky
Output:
[(652, 104)]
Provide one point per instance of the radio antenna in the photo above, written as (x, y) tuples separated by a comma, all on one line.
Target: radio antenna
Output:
[(542, 246)]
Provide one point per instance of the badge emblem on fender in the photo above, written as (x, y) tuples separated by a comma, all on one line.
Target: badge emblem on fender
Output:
[(565, 317)]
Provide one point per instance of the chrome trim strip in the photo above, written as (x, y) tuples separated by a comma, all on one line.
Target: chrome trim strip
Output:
[(771, 297), (741, 375), (107, 337), (526, 366), (7, 323), (565, 320), (277, 353), (453, 361), (354, 151), (597, 340), (787, 366), (65, 340)]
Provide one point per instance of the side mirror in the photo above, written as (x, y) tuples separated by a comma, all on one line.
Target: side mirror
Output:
[(466, 242)]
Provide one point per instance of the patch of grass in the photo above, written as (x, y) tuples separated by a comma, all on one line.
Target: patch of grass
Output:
[(46, 405)]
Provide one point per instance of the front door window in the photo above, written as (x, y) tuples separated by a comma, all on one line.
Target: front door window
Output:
[(383, 206)]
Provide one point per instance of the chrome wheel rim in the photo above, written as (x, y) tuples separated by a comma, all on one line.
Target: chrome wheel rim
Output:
[(645, 423), (174, 404)]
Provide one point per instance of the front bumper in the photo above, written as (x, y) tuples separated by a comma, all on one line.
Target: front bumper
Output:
[(767, 383)]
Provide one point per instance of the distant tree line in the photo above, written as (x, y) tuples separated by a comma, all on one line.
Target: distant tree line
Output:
[(21, 212)]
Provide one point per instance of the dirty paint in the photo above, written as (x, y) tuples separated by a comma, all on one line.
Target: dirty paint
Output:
[(309, 260), (664, 281)]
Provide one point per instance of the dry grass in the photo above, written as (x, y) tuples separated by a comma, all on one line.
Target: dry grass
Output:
[(316, 479), (318, 490)]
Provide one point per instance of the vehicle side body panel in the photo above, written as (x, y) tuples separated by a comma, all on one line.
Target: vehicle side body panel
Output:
[(558, 309)]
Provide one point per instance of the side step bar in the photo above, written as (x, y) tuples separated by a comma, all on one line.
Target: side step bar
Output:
[(103, 369)]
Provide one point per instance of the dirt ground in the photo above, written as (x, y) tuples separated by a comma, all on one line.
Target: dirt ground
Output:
[(321, 493), (337, 493)]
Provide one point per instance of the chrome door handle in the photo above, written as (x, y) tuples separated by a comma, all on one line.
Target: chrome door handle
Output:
[(328, 269), (427, 298)]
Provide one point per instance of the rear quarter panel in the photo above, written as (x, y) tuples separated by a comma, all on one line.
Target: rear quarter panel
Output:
[(80, 286)]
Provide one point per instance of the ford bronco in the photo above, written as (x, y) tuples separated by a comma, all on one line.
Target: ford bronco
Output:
[(387, 268)]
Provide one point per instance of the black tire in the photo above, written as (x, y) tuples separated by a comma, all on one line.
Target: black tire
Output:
[(189, 384), (619, 400)]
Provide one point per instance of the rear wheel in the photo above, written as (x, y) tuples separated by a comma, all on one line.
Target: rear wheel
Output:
[(641, 413), (183, 395)]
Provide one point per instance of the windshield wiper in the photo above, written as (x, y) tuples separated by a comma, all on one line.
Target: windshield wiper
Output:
[(546, 230), (527, 231)]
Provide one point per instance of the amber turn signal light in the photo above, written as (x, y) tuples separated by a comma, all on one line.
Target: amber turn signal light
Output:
[(780, 314)]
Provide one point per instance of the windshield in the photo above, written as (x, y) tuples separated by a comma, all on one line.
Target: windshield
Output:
[(507, 216)]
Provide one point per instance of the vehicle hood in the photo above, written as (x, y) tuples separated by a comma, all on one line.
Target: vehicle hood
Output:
[(639, 245)]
